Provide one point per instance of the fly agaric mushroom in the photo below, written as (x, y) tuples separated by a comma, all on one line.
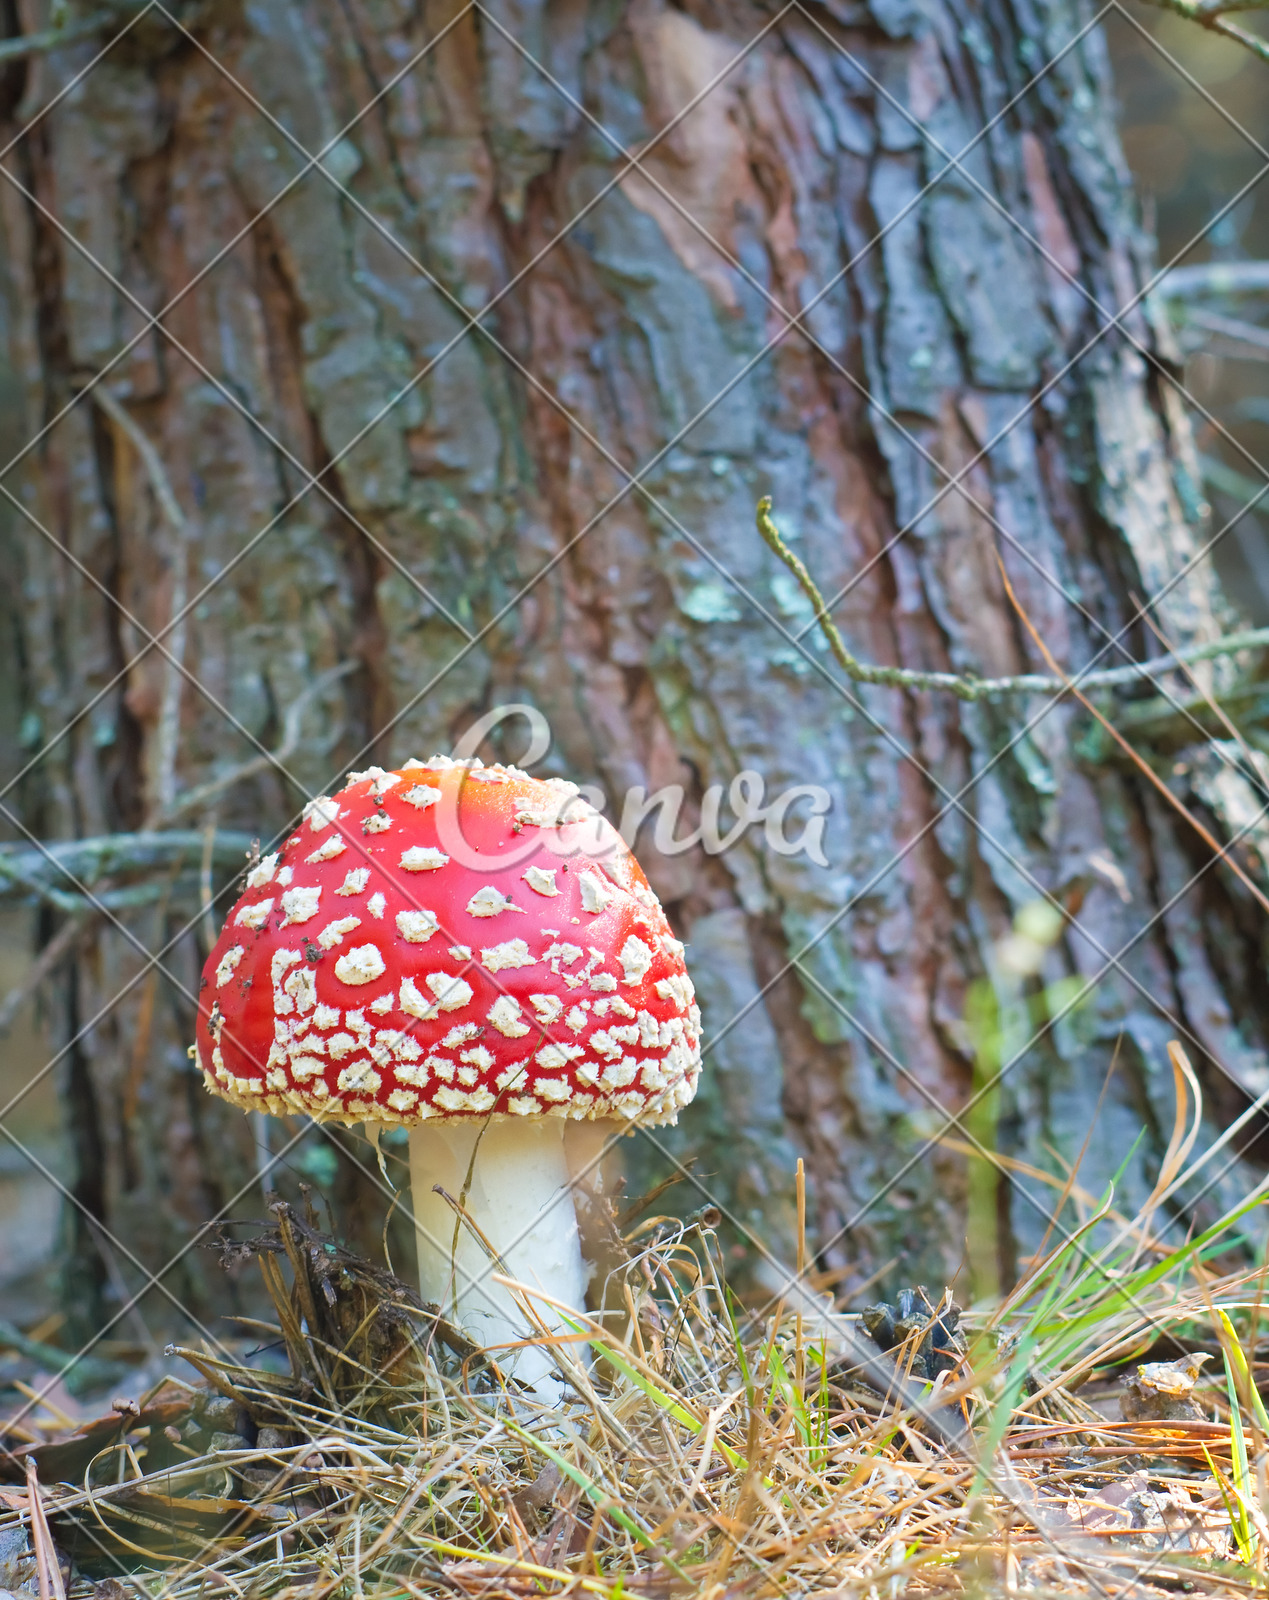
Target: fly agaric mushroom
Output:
[(475, 955)]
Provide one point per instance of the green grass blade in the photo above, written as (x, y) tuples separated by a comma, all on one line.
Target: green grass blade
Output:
[(599, 1497), (795, 1401), (1121, 1294), (1234, 1353), (1237, 1514), (666, 1402)]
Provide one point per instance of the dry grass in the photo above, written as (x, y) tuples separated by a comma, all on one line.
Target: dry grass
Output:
[(703, 1451)]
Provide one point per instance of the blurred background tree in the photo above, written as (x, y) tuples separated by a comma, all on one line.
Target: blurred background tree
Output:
[(1195, 128), (793, 292)]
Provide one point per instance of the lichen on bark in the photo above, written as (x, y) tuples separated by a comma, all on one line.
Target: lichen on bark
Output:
[(931, 351)]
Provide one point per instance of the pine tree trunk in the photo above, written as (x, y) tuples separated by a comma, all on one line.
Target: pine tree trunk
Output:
[(475, 540)]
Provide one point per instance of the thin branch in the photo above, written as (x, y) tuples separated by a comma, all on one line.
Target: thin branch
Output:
[(1171, 724), (1143, 766), (1209, 700), (1236, 328), (205, 899), (1215, 277), (973, 689), (27, 873), (1232, 482), (198, 799), (45, 964), (168, 734), (1202, 10), (33, 44), (155, 470), (1210, 14)]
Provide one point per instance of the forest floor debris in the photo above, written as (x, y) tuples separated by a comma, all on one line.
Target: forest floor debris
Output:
[(706, 1450)]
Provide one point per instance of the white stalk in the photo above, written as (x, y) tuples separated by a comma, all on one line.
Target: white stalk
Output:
[(520, 1200)]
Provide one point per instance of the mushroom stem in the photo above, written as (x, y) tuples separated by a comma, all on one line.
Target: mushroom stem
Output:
[(520, 1200)]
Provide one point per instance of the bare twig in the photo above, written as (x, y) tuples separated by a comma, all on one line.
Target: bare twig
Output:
[(34, 44), (1213, 705), (155, 470), (1205, 11), (29, 874), (1138, 761), (1228, 480), (1236, 328), (972, 689), (45, 964), (975, 689), (205, 881), (198, 799), (1211, 14), (168, 735), (47, 1566), (1215, 277)]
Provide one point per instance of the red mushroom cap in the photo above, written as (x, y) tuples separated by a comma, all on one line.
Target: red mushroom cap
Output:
[(450, 940)]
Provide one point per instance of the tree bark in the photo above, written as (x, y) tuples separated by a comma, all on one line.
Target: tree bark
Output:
[(474, 482)]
